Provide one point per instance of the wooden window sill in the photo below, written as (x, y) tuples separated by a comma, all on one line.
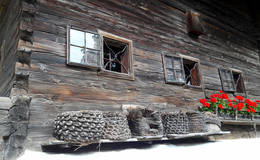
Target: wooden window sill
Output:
[(118, 75)]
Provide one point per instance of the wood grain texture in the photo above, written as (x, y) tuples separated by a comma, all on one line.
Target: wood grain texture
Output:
[(9, 35), (154, 27)]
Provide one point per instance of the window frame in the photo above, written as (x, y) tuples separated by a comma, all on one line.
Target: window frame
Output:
[(243, 80), (231, 70), (100, 68), (103, 71), (222, 81), (165, 69), (196, 60), (183, 71), (69, 45)]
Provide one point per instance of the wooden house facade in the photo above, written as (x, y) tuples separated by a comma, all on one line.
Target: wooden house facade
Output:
[(81, 54)]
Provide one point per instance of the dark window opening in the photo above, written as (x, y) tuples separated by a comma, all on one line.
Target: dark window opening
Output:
[(239, 82), (181, 71), (115, 55), (191, 72)]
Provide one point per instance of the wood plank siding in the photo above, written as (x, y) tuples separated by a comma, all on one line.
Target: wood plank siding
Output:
[(154, 26), (9, 36)]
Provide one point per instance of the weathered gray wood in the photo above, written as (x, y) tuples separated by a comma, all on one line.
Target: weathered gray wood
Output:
[(241, 122), (154, 27), (55, 142), (8, 43)]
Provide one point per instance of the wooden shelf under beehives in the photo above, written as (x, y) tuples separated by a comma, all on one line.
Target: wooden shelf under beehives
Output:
[(240, 122), (55, 144)]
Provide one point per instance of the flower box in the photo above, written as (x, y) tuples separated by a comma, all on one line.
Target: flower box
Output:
[(256, 117), (227, 116), (244, 117), (239, 108)]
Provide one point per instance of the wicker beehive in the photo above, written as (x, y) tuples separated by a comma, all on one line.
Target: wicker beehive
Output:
[(79, 126), (175, 123), (196, 122), (116, 126)]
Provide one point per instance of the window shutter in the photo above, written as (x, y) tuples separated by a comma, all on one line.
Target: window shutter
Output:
[(173, 67), (195, 75), (83, 48), (227, 80), (125, 63)]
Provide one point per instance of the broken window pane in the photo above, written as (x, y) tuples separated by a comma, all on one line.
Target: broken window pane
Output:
[(77, 55), (77, 38), (92, 41)]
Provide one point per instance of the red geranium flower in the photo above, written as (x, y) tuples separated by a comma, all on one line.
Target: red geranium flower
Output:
[(247, 110), (220, 106), (213, 100), (257, 101), (230, 105), (234, 106), (206, 104), (221, 91), (253, 104), (247, 101), (215, 96), (239, 98), (224, 96), (234, 100), (203, 101), (252, 110), (240, 106), (229, 100)]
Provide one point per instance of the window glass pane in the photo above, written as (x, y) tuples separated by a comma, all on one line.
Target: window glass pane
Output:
[(228, 75), (168, 61), (93, 57), (179, 76), (77, 37), (231, 86), (170, 74), (177, 63), (77, 55), (92, 41)]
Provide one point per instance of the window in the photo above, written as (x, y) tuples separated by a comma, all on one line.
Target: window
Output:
[(231, 80), (239, 81), (84, 48), (115, 55), (181, 70), (108, 53)]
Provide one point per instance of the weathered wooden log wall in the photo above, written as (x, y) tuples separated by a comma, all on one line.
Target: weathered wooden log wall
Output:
[(153, 26), (9, 35)]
